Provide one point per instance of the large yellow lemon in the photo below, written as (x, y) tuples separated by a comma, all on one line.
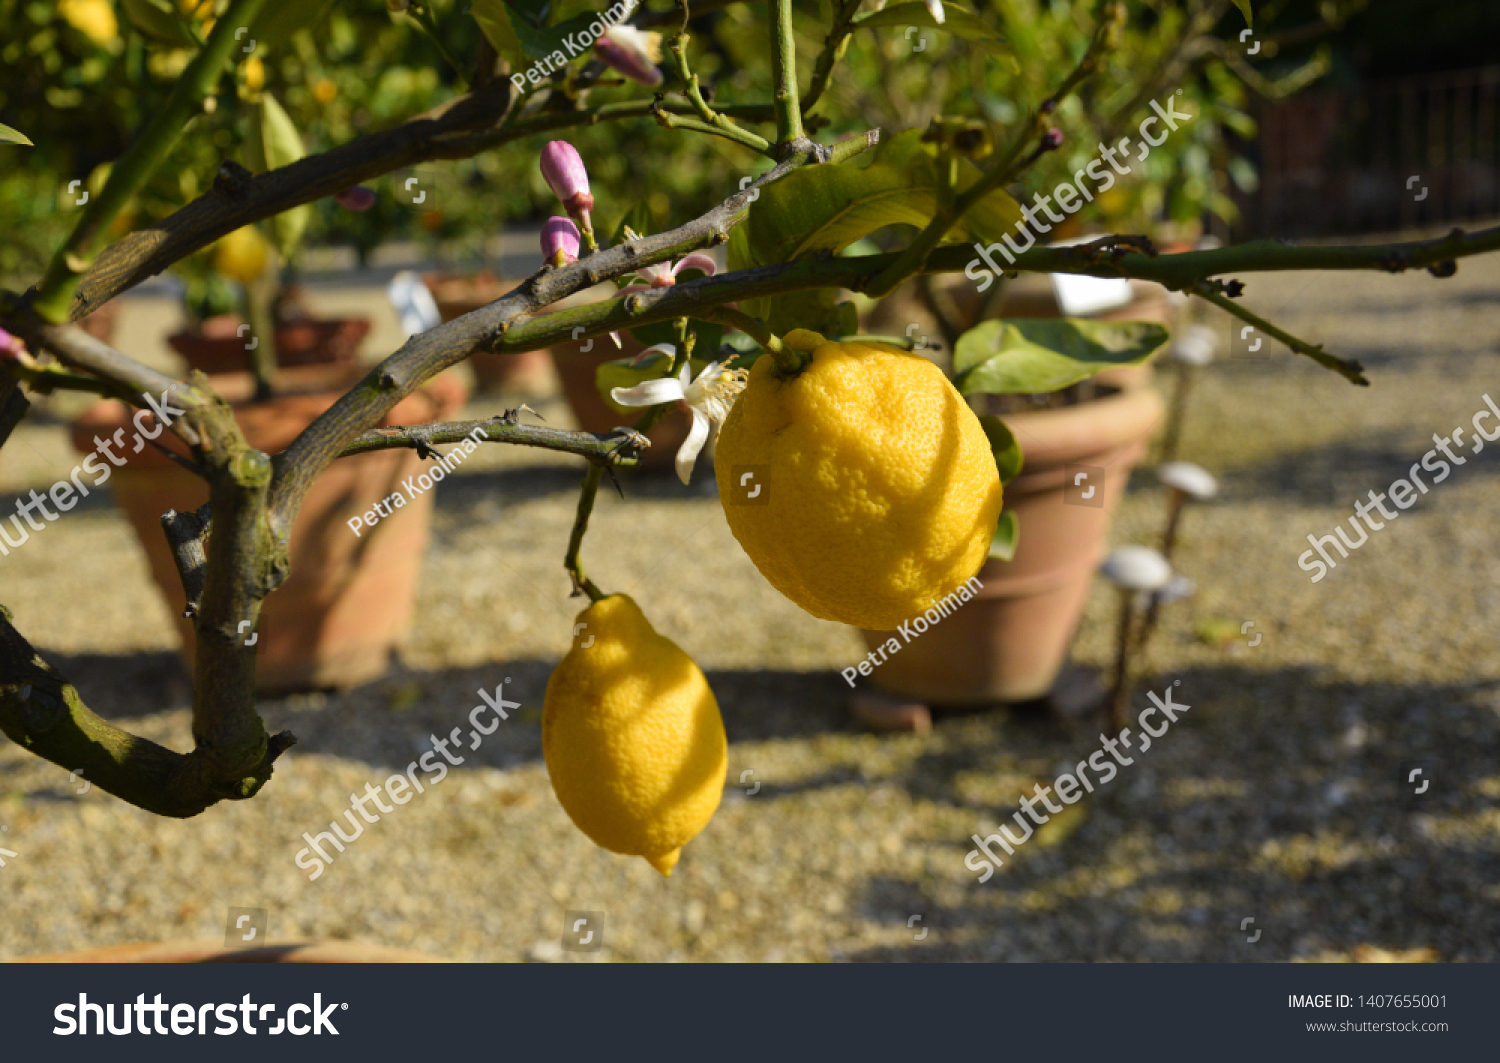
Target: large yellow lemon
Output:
[(632, 736), (878, 490)]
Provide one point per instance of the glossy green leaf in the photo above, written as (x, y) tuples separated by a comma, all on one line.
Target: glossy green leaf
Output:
[(495, 22), (157, 19), (1032, 356), (827, 208), (12, 136), (824, 209), (1244, 6), (1007, 451), (958, 21), (1007, 536), (273, 142)]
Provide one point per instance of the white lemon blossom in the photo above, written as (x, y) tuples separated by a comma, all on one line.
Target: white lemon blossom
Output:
[(708, 399)]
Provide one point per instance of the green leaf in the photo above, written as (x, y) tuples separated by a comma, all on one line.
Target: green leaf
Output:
[(158, 19), (824, 209), (1007, 536), (13, 136), (541, 42), (1032, 356), (495, 21), (958, 21), (279, 19), (1244, 6), (273, 142), (1007, 451), (827, 208)]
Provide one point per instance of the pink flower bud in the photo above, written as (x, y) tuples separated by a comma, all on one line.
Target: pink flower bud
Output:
[(1052, 139), (560, 241), (564, 172), (632, 52), (357, 198)]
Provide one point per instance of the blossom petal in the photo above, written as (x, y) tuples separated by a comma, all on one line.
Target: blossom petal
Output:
[(669, 349), (697, 260), (687, 454), (649, 392)]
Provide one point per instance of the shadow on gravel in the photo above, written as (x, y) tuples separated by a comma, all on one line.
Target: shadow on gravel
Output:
[(1229, 818), (1342, 472)]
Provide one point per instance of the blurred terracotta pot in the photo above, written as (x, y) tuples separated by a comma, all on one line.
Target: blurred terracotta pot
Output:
[(218, 344), (576, 370), (102, 322), (528, 373), (349, 599), (1009, 643)]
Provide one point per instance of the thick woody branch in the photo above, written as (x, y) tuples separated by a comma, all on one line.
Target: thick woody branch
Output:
[(460, 129), (76, 348), (186, 532), (1179, 272), (42, 712)]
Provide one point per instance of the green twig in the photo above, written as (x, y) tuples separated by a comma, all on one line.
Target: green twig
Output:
[(581, 583), (784, 73), (1349, 370), (725, 128), (720, 123), (823, 68), (789, 362)]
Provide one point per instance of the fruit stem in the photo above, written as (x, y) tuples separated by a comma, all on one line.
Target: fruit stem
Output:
[(581, 583), (789, 362)]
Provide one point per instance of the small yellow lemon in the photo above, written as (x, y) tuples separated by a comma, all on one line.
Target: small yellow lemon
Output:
[(878, 489), (632, 736), (242, 254), (255, 74)]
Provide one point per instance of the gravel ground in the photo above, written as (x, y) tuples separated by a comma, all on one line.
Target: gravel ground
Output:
[(1280, 796)]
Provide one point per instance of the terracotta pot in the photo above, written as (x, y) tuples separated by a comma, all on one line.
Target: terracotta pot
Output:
[(576, 370), (216, 346), (209, 952), (528, 373), (1011, 641), (348, 601)]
